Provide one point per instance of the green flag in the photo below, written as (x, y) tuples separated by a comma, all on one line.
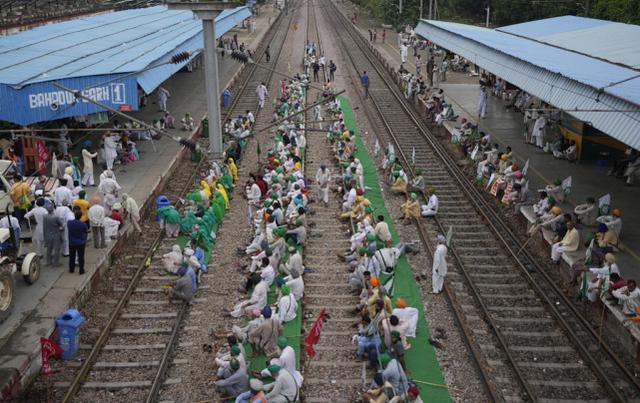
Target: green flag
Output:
[(258, 147)]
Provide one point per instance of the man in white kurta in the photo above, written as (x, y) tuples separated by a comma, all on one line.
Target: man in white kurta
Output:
[(87, 168), (439, 270), (323, 178), (110, 149), (296, 284), (65, 214), (131, 211), (163, 96), (403, 53), (262, 94), (109, 188), (284, 389), (38, 214), (287, 305), (258, 300), (482, 103), (286, 360), (431, 208), (538, 131)]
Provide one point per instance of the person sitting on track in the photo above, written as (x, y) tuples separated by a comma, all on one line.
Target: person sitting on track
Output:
[(183, 288)]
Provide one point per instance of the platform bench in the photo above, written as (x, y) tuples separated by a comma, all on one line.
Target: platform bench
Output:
[(527, 212)]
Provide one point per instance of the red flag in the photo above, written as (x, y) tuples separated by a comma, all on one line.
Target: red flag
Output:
[(48, 348), (314, 334), (43, 156)]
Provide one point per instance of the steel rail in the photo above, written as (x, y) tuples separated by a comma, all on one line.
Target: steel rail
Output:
[(106, 331), (482, 207)]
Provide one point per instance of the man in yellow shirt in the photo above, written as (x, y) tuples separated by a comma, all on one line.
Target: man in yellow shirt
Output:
[(83, 205), (570, 243)]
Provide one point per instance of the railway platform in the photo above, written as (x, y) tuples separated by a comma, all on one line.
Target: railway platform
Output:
[(38, 305), (506, 128)]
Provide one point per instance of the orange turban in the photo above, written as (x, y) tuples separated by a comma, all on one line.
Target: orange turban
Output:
[(401, 303), (374, 281)]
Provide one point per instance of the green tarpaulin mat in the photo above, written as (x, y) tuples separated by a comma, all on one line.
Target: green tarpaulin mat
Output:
[(421, 358)]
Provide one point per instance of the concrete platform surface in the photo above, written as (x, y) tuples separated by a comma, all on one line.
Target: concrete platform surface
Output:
[(506, 128), (38, 305)]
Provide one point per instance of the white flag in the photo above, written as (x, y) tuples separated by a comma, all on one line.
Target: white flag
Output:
[(376, 148), (525, 168), (566, 184), (413, 156), (449, 236), (491, 178), (474, 152), (604, 201)]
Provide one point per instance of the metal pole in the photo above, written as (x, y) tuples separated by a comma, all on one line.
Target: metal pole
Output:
[(488, 13), (212, 88), (400, 8), (421, 1), (430, 9)]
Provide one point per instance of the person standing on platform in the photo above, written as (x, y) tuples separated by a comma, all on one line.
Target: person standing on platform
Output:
[(77, 232), (163, 96), (403, 52), (110, 149), (538, 130), (482, 103), (262, 94), (63, 212), (384, 34), (96, 219), (87, 169), (364, 79), (52, 226), (267, 54), (38, 213), (439, 270), (20, 194)]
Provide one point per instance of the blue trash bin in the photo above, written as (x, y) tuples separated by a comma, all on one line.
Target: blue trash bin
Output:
[(68, 332), (161, 202), (226, 98)]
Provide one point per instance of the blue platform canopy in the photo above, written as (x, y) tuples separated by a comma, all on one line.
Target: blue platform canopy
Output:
[(591, 88), (97, 56)]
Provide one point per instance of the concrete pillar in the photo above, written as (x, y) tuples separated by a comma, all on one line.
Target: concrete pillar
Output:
[(213, 88)]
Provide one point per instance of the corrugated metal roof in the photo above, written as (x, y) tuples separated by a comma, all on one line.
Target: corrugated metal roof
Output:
[(563, 79), (584, 69), (119, 42), (607, 40)]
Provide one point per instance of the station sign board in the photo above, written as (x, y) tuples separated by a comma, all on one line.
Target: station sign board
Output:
[(44, 101)]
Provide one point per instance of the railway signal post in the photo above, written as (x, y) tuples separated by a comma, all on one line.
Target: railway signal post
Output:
[(207, 11)]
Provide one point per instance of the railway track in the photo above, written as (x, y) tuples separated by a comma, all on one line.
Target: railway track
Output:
[(529, 341), (334, 374), (141, 335)]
